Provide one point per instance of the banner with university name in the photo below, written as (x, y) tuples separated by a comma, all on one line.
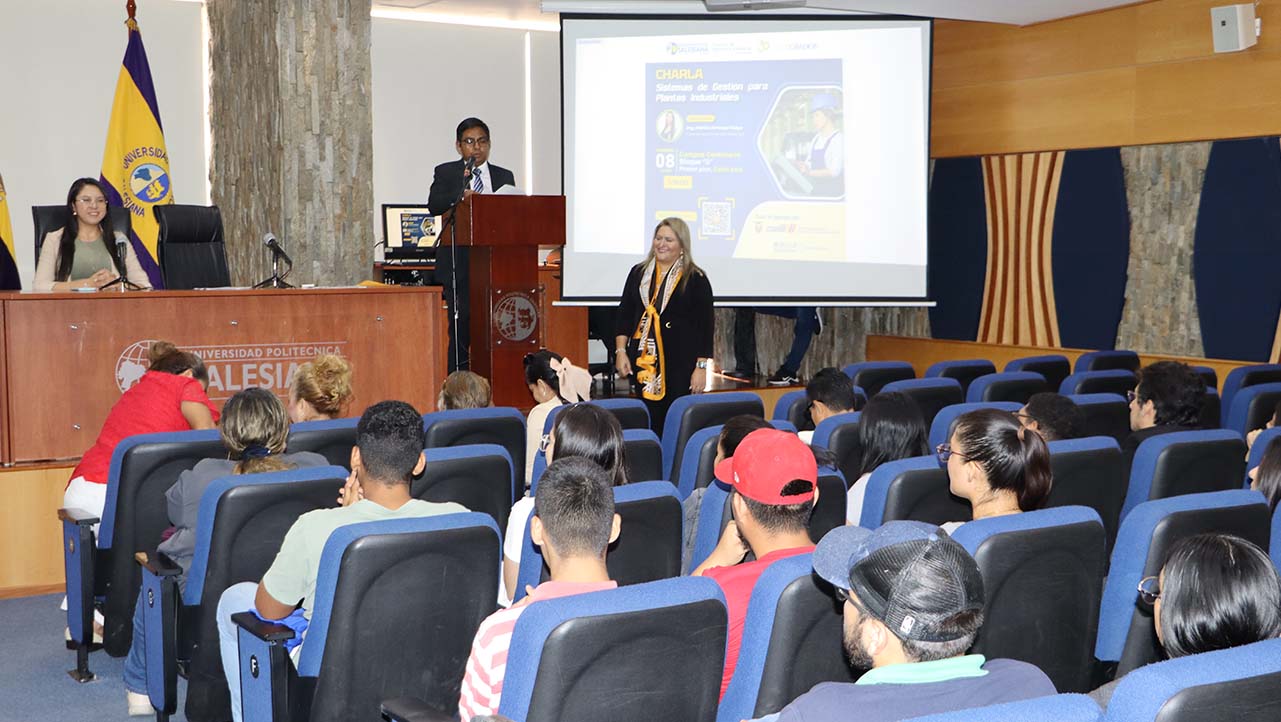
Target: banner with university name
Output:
[(135, 165), (9, 280)]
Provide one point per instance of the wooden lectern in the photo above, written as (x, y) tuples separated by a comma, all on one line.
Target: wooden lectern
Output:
[(504, 233)]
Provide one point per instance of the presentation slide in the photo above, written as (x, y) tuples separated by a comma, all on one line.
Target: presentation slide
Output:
[(796, 150)]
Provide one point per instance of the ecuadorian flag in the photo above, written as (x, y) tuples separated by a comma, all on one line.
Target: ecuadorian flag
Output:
[(135, 165), (9, 280)]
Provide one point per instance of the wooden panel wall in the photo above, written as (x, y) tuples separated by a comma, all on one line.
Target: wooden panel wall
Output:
[(1136, 75), (30, 536)]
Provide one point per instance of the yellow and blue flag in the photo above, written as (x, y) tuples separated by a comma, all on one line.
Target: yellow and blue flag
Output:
[(9, 280), (135, 165)]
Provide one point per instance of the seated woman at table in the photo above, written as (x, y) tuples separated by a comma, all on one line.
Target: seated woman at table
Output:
[(83, 253), (254, 430), (170, 395), (320, 389)]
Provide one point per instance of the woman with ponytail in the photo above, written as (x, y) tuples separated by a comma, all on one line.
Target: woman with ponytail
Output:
[(254, 430), (552, 381), (996, 465)]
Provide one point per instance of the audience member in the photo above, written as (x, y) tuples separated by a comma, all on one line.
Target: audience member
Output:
[(829, 392), (775, 482), (320, 389), (1272, 422), (891, 428), (1054, 416), (996, 465), (1167, 398), (85, 253), (573, 523), (169, 396), (464, 390), (387, 456), (254, 430), (552, 381), (732, 434), (1266, 477), (1215, 591), (584, 430), (913, 604)]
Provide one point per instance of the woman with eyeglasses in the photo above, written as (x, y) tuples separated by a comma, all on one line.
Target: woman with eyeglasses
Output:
[(995, 464), (552, 381), (84, 253), (581, 429), (1216, 591)]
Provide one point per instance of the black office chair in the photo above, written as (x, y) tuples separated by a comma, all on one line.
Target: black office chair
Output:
[(190, 247), (52, 218)]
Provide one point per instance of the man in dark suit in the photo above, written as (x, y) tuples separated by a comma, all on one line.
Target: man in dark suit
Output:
[(471, 173)]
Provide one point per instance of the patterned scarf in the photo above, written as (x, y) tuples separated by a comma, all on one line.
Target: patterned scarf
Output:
[(651, 361)]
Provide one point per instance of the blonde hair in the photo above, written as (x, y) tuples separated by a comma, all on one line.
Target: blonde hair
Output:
[(464, 390), (325, 383), (255, 421), (681, 229)]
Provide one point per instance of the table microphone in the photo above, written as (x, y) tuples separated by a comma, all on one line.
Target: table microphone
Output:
[(122, 252), (270, 242)]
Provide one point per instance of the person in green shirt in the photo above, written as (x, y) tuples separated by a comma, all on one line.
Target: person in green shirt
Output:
[(387, 456)]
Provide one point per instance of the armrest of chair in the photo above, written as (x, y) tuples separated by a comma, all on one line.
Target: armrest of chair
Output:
[(159, 601), (158, 564), (77, 516), (412, 709), (79, 552), (264, 668)]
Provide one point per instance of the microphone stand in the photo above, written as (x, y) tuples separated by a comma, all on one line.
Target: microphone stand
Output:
[(121, 280), (276, 280)]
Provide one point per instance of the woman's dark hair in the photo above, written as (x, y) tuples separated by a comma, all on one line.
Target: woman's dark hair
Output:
[(254, 430), (1175, 390), (67, 245), (892, 427), (538, 367), (1268, 477), (1012, 459), (591, 432), (169, 359), (1217, 591), (736, 429)]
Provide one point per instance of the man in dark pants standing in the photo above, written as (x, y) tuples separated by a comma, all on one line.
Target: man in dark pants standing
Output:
[(808, 324), (453, 181)]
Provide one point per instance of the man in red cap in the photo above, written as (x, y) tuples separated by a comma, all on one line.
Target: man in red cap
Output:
[(775, 482)]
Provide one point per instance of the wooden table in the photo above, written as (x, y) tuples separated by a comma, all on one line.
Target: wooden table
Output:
[(67, 357)]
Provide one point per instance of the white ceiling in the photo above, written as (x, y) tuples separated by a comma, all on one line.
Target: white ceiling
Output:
[(529, 13)]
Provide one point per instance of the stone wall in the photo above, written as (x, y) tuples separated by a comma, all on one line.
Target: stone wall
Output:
[(293, 135)]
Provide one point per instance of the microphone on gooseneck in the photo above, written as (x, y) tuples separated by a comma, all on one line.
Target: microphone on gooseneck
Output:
[(123, 253), (271, 243)]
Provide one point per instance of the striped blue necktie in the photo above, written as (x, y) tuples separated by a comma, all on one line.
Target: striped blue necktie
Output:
[(477, 184)]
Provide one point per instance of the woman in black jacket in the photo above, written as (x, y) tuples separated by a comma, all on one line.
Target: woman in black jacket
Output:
[(665, 322)]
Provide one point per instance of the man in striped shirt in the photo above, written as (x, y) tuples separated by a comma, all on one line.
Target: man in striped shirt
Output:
[(573, 523)]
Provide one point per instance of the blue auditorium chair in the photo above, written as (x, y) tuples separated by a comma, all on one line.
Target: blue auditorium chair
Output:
[(872, 375), (1211, 416), (1057, 708), (1185, 462), (241, 523), (1107, 360), (644, 458), (1252, 407), (1113, 381), (1208, 375), (1126, 636), (916, 489), (1259, 448), (648, 545), (793, 407), (839, 434), (631, 413), (646, 652), (99, 567), (695, 468), (942, 424), (481, 477), (1054, 367), (1276, 534), (1239, 684), (331, 438), (1105, 414), (688, 414), (712, 514), (1246, 376), (930, 395), (494, 425), (1015, 386), (791, 641), (1043, 575), (365, 643), (964, 370), (1089, 472)]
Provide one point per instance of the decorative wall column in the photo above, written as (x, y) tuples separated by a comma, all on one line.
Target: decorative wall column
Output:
[(293, 135)]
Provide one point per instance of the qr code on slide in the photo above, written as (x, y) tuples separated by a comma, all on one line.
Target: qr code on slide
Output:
[(717, 220)]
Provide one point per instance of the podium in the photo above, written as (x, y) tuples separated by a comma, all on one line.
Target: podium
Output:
[(504, 233)]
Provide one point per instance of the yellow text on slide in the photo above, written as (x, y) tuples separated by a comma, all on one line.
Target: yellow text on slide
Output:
[(687, 216), (678, 182), (787, 230), (709, 118)]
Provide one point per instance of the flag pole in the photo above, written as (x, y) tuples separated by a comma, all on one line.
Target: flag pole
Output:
[(131, 7)]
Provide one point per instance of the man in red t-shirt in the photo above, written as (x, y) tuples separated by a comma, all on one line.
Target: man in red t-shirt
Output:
[(775, 481)]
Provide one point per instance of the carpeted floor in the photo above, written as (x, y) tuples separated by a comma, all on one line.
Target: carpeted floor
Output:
[(34, 685)]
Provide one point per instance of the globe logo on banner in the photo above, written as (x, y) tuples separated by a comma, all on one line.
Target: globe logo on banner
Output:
[(515, 317), (149, 183), (132, 364)]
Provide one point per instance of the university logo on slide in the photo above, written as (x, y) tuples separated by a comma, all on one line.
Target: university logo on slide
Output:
[(233, 367)]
